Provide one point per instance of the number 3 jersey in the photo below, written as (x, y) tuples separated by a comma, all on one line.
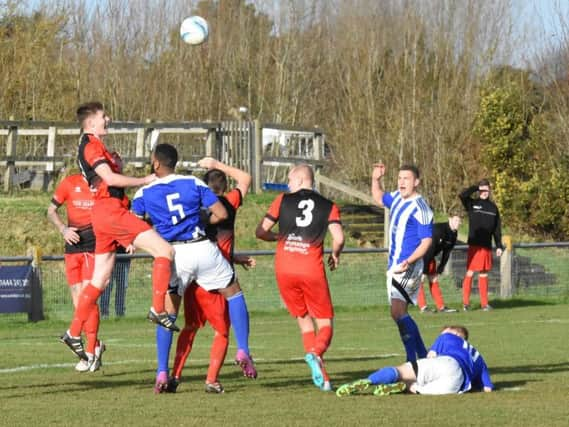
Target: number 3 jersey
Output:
[(303, 219), (173, 204)]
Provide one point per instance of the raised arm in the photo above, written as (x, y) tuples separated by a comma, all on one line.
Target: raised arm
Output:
[(242, 178), (465, 195), (377, 190), (117, 180)]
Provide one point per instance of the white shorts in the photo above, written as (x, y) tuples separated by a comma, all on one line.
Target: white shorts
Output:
[(203, 262), (439, 375), (407, 283)]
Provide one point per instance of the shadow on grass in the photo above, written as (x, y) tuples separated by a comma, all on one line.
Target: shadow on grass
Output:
[(546, 368), (517, 303), (502, 385)]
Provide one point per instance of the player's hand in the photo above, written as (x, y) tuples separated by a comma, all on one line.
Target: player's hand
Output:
[(130, 249), (149, 178), (70, 235), (207, 163), (404, 266), (499, 252), (487, 390), (378, 170), (333, 262)]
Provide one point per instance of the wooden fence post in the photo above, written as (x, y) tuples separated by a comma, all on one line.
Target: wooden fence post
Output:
[(50, 165), (210, 143), (11, 143), (506, 268), (257, 157)]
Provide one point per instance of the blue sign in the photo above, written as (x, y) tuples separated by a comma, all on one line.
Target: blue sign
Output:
[(15, 289)]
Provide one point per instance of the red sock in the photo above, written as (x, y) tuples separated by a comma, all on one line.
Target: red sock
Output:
[(309, 341), (437, 294), (183, 349), (323, 339), (217, 356), (91, 328), (87, 299), (421, 300), (160, 280), (466, 285), (324, 372), (483, 290)]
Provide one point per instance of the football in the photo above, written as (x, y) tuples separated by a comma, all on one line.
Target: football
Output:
[(194, 30)]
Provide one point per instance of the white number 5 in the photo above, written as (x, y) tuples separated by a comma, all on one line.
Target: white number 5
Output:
[(307, 206), (175, 207)]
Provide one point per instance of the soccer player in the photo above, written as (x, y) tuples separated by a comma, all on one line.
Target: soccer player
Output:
[(173, 203), (410, 235), (304, 216), (224, 234), (444, 239), (74, 192), (452, 365), (113, 224), (483, 224)]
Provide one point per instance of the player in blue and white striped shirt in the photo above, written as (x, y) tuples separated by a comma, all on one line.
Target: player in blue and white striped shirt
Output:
[(410, 236)]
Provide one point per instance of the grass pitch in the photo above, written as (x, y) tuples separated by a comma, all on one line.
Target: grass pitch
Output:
[(523, 341)]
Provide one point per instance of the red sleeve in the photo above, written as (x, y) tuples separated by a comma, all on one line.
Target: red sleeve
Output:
[(61, 193), (274, 209), (95, 153), (234, 198), (334, 215)]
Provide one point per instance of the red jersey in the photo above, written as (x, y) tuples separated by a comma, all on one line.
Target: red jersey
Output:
[(75, 193), (303, 219), (92, 152), (224, 232)]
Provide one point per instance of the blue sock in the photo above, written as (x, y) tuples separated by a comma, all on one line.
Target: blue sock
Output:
[(163, 343), (410, 336), (388, 375), (239, 317)]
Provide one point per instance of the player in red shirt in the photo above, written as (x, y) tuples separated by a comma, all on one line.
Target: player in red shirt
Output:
[(74, 192), (304, 216), (198, 305), (113, 225)]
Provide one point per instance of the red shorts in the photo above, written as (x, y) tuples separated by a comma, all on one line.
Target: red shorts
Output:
[(306, 295), (479, 259), (114, 225), (201, 306), (79, 267), (431, 268)]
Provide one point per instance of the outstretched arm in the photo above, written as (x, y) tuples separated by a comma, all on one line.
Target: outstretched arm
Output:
[(242, 178), (377, 183), (117, 180)]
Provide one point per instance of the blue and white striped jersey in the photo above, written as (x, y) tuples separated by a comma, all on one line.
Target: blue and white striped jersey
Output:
[(173, 204), (410, 221), (474, 369)]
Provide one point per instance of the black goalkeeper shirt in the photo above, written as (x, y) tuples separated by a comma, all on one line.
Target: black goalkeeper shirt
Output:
[(483, 220)]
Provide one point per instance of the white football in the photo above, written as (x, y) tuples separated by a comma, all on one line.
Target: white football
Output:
[(194, 30)]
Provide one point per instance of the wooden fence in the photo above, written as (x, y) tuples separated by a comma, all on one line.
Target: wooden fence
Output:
[(41, 148)]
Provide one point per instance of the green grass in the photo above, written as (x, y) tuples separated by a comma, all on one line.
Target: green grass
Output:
[(523, 341)]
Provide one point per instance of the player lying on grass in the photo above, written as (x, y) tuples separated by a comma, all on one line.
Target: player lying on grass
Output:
[(452, 365)]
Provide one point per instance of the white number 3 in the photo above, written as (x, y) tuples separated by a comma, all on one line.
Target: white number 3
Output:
[(307, 206), (175, 207)]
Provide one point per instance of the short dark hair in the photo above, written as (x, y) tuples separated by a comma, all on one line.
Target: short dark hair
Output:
[(484, 182), (88, 109), (412, 168), (167, 155), (460, 328), (216, 180)]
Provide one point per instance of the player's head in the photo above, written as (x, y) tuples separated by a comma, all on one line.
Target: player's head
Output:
[(458, 330), (300, 177), (216, 180), (454, 221), (408, 180), (484, 188), (163, 159), (92, 118)]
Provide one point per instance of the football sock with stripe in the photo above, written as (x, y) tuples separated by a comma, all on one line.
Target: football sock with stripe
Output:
[(163, 343), (387, 375), (239, 317)]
